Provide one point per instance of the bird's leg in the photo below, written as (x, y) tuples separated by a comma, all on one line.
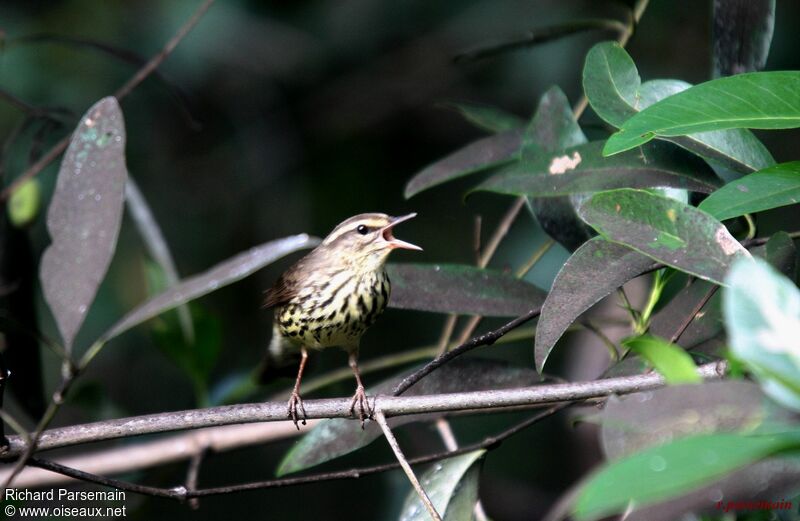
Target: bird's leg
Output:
[(295, 402), (360, 398)]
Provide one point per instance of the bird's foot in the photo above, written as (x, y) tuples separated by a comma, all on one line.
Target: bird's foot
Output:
[(364, 410), (295, 406)]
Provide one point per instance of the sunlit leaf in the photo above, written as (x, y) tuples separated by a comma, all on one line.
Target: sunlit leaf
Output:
[(489, 118), (742, 33), (583, 169), (763, 100), (461, 289), (674, 364), (614, 90), (762, 316), (224, 273), (452, 487), (670, 470), (667, 230), (772, 187), (84, 216), (337, 437), (475, 157), (595, 269)]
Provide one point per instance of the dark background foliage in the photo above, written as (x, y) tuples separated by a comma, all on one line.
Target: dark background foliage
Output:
[(281, 117)]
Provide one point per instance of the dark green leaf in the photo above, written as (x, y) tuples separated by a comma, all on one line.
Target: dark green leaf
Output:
[(782, 254), (762, 315), (337, 437), (765, 100), (595, 269), (742, 33), (452, 487), (224, 273), (583, 169), (778, 185), (84, 216), (667, 471), (488, 118), (554, 128), (462, 289), (667, 230), (615, 92), (475, 157), (706, 324), (674, 364)]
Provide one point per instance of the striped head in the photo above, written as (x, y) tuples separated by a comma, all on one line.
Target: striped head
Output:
[(366, 240)]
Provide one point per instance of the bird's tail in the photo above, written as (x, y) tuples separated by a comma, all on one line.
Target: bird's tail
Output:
[(280, 360)]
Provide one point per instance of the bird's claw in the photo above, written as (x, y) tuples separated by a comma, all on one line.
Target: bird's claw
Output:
[(364, 410), (295, 405)]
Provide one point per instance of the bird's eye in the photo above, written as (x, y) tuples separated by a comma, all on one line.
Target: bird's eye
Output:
[(363, 230)]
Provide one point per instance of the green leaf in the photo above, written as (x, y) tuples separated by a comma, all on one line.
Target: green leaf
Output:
[(461, 289), (671, 361), (24, 203), (762, 316), (224, 273), (595, 269), (782, 254), (742, 33), (764, 100), (615, 92), (667, 230), (84, 217), (669, 470), (583, 169), (333, 438), (488, 118), (772, 187), (452, 487), (474, 157), (706, 324)]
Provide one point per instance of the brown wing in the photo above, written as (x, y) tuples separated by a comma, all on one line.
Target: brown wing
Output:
[(281, 292)]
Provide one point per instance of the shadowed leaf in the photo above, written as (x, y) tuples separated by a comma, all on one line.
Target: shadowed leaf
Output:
[(452, 487), (488, 118), (764, 100), (782, 254), (337, 437), (615, 92), (667, 230), (595, 269), (705, 325), (583, 169), (461, 289), (674, 364), (772, 187), (84, 216), (742, 33), (475, 157), (224, 273)]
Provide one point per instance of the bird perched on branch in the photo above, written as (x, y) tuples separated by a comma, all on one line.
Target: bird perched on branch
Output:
[(331, 296)]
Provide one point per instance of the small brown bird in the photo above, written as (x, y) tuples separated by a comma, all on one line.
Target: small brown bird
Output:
[(332, 295)]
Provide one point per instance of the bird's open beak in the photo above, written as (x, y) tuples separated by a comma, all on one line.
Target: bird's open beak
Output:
[(393, 242)]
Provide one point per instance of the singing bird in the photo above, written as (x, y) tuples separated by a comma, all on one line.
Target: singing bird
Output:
[(331, 296)]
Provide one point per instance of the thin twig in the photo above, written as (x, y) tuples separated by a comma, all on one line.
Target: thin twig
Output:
[(123, 91), (412, 478), (192, 476), (691, 316), (501, 231)]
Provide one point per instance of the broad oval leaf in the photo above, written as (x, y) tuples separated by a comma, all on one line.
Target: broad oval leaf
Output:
[(595, 269), (763, 323), (84, 216), (461, 289), (772, 187), (667, 471), (474, 157), (333, 438), (615, 92), (488, 118), (742, 33), (764, 100), (584, 169), (452, 487), (674, 364), (667, 230), (224, 273)]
